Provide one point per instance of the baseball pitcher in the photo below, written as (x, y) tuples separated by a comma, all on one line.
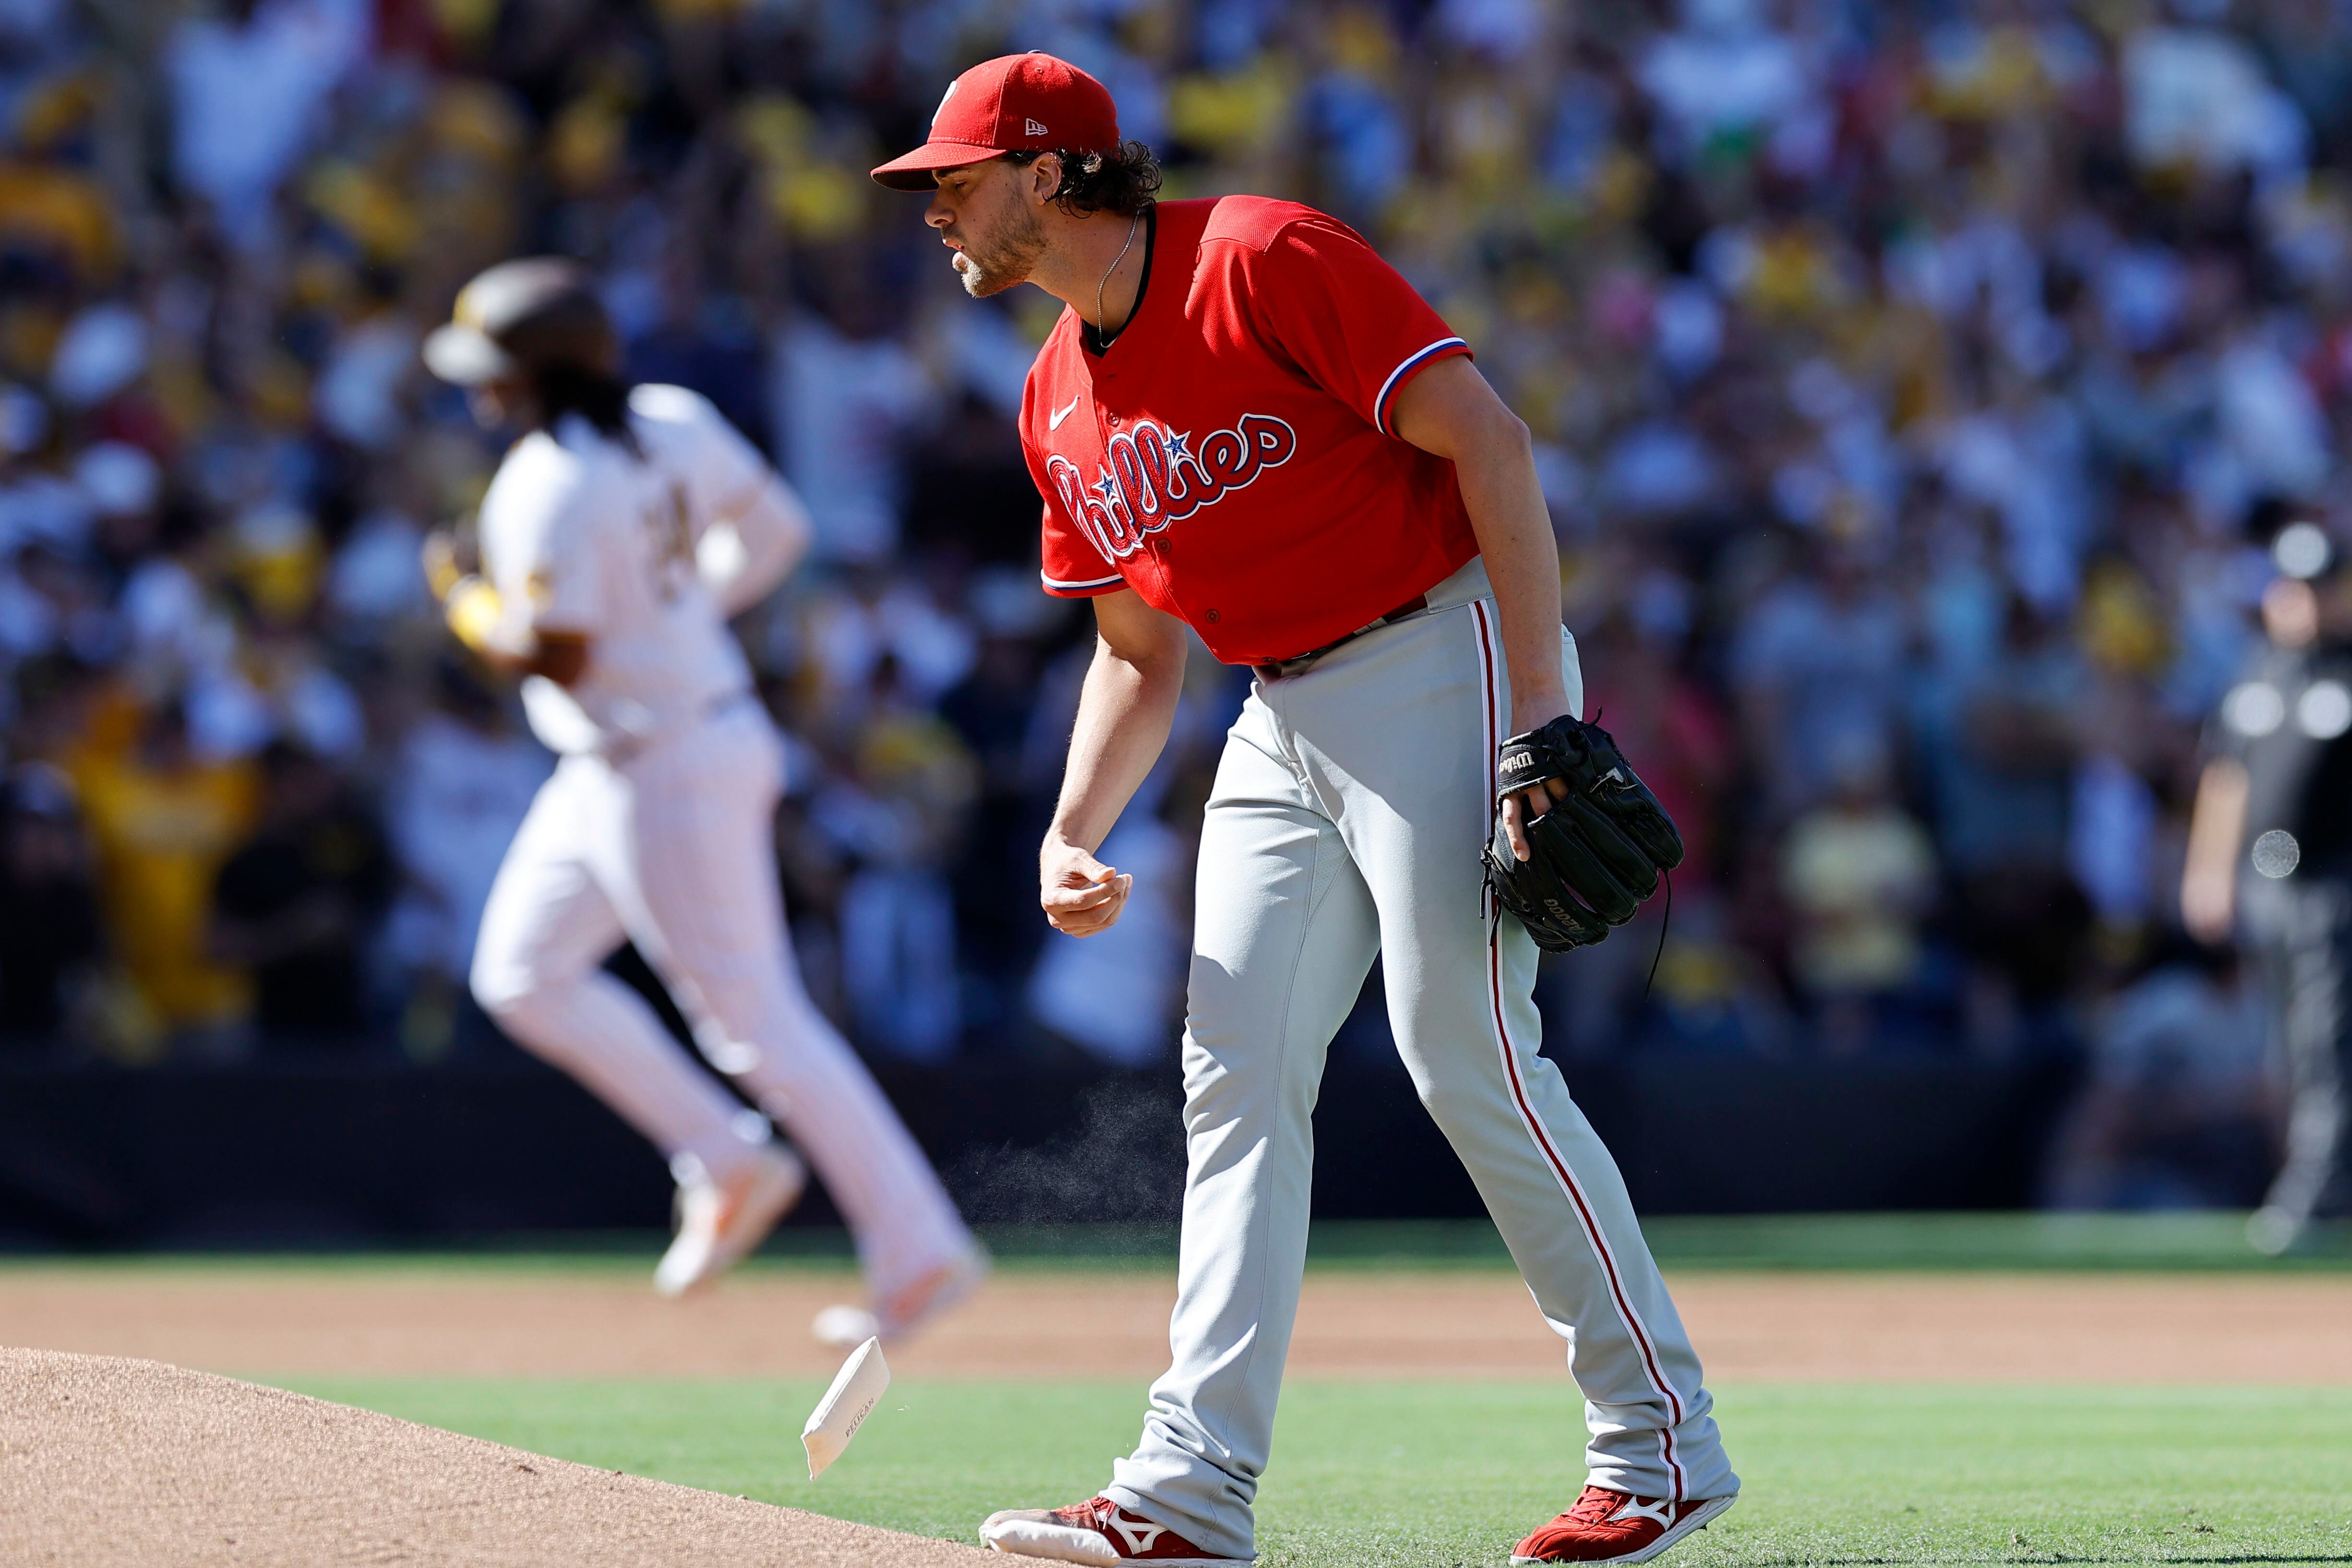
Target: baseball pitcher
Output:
[(1246, 424), (620, 532)]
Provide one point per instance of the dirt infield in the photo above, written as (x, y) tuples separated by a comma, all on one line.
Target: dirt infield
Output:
[(109, 1462), (112, 1463), (1749, 1327)]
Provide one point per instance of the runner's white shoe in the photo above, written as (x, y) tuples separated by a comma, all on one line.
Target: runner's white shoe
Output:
[(719, 1221), (844, 1327)]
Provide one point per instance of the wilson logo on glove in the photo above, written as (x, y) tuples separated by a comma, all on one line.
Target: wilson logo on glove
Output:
[(1595, 855)]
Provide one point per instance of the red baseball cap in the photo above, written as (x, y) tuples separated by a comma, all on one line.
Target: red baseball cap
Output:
[(1014, 104)]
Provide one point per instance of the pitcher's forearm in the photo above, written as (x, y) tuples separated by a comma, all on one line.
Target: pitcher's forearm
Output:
[(1450, 411), (1125, 713), (1514, 527)]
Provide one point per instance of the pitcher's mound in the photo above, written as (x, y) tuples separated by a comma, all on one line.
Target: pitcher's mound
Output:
[(106, 1462)]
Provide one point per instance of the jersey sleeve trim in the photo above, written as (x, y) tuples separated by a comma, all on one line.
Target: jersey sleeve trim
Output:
[(1085, 590), (1404, 373)]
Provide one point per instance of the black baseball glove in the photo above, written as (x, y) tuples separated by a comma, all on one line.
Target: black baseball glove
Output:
[(1593, 856)]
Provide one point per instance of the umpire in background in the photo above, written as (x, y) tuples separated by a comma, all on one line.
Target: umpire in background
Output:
[(2269, 853)]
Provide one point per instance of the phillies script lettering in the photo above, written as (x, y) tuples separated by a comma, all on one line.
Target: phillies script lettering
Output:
[(1152, 476)]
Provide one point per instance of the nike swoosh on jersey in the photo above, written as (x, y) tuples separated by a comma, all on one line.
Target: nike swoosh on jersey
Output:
[(1054, 420)]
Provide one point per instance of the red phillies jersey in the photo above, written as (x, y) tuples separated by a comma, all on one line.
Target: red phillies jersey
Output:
[(1230, 457)]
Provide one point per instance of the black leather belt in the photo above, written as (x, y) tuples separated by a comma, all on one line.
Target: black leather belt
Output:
[(1282, 669)]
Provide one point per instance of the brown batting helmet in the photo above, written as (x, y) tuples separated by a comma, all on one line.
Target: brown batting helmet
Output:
[(522, 317)]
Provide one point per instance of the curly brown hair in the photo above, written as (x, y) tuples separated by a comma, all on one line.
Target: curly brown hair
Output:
[(1122, 181)]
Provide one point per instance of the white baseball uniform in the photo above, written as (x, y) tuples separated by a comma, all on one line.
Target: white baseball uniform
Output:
[(659, 821)]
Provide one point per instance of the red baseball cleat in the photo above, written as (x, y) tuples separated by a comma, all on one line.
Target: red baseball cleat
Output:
[(1611, 1527), (1100, 1533)]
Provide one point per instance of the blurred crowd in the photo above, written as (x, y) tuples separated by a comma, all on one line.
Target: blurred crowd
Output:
[(1915, 387)]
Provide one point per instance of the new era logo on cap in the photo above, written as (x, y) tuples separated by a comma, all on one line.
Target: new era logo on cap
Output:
[(1000, 106)]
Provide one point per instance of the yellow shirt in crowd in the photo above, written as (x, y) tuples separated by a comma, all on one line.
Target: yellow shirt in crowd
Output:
[(162, 836)]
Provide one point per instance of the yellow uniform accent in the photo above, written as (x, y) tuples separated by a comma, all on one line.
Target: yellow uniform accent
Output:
[(440, 576), (474, 612)]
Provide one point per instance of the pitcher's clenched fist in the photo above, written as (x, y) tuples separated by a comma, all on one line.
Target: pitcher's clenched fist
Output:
[(1079, 894)]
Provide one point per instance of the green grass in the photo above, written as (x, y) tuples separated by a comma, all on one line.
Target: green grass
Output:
[(2199, 1241), (1432, 1474)]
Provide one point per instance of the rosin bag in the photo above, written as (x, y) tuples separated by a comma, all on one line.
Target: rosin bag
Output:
[(857, 1388)]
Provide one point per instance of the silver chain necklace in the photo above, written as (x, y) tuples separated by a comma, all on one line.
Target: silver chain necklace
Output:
[(1102, 335)]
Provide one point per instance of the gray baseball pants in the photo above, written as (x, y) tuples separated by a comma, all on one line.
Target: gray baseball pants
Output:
[(1346, 822)]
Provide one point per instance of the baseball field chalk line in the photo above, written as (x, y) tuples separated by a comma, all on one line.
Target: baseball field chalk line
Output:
[(857, 1388)]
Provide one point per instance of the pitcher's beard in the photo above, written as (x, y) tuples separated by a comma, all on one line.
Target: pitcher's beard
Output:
[(995, 266), (977, 280)]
